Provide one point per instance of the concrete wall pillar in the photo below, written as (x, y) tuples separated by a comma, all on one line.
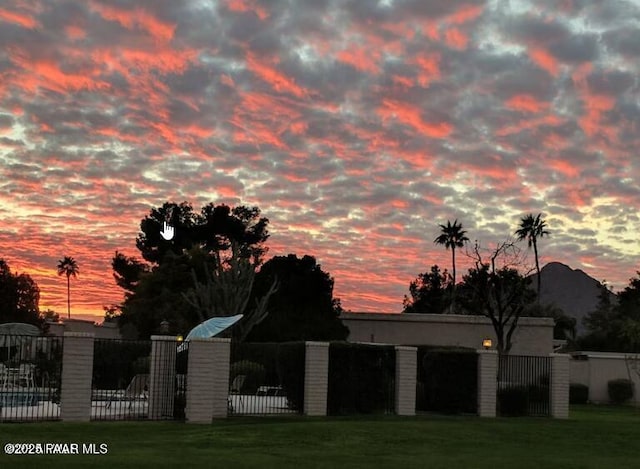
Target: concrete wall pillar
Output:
[(162, 376), (77, 374), (406, 377), (220, 369), (559, 388), (316, 378), (487, 382)]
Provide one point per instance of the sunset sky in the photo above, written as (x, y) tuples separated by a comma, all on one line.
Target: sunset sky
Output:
[(356, 126)]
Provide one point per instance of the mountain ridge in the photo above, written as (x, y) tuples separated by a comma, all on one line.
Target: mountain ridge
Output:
[(572, 290)]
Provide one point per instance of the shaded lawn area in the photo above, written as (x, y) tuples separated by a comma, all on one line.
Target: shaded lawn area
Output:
[(594, 437)]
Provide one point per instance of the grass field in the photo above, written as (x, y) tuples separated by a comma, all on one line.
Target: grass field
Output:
[(594, 437)]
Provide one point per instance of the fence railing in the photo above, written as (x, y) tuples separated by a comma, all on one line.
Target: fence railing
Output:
[(523, 385), (132, 381), (266, 378), (30, 377), (120, 382)]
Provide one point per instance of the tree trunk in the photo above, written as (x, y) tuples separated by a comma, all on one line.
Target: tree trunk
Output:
[(453, 287), (535, 253), (68, 297)]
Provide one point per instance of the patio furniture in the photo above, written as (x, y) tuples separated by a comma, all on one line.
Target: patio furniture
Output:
[(138, 389), (236, 386), (4, 376), (26, 375)]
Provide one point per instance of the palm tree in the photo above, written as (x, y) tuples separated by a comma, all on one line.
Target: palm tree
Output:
[(69, 267), (452, 236), (532, 228)]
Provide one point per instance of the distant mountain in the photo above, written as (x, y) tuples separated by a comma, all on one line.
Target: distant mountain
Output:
[(571, 290)]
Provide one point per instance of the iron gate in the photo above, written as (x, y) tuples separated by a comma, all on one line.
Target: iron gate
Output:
[(523, 385)]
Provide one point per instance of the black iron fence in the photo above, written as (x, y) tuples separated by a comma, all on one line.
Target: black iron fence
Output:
[(361, 379), (30, 377), (523, 385), (120, 382), (129, 384), (266, 378)]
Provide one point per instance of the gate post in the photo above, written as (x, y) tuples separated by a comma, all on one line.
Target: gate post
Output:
[(208, 380), (487, 382), (162, 376), (406, 371), (77, 373), (559, 389), (316, 378)]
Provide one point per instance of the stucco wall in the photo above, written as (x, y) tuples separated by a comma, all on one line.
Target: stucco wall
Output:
[(534, 336), (596, 369)]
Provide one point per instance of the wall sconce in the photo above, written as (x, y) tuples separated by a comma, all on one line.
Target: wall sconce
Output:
[(486, 343), (179, 338)]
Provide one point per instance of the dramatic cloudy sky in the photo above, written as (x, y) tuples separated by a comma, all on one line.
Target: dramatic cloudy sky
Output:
[(356, 126)]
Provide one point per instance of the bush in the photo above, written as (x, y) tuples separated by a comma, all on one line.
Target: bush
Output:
[(578, 393), (620, 390), (448, 380), (254, 375), (513, 402), (361, 378), (290, 359)]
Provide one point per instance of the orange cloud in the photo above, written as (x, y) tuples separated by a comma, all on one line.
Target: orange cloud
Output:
[(17, 18), (428, 66), (244, 6), (564, 167), (456, 39), (465, 14), (544, 60), (131, 19), (526, 103), (278, 80), (411, 116), (360, 58)]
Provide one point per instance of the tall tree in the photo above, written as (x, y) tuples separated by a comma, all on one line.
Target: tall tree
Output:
[(19, 297), (69, 267), (226, 291), (204, 242), (429, 292), (303, 307), (452, 237), (500, 293), (532, 228)]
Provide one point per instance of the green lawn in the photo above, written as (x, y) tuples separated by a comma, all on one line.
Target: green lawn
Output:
[(594, 437)]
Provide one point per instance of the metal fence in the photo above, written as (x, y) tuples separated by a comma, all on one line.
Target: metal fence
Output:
[(266, 378), (361, 379), (129, 383), (30, 377), (523, 385), (120, 381)]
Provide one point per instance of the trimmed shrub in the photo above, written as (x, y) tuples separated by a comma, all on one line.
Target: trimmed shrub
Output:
[(620, 390), (578, 393), (513, 402), (448, 380), (291, 360), (361, 378)]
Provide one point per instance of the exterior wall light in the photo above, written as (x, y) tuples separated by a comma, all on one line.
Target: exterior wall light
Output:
[(486, 343)]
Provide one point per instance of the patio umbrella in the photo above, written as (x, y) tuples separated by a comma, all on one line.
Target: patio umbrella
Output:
[(211, 328)]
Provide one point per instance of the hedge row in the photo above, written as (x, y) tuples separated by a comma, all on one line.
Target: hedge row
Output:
[(361, 379), (447, 380)]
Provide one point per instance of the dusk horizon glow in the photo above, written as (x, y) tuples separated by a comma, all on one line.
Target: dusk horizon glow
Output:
[(355, 126)]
